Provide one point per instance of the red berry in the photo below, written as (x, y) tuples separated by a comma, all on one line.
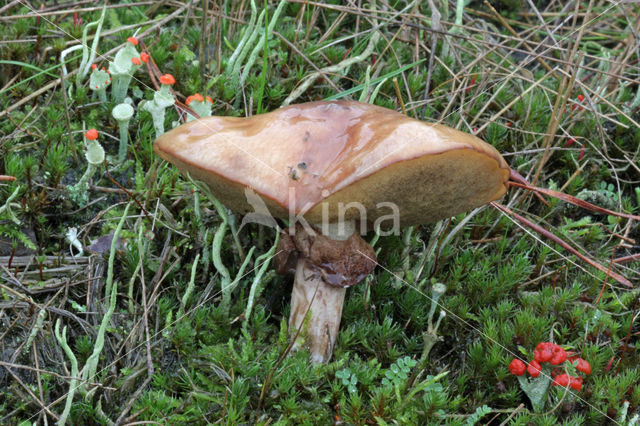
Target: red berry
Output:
[(517, 367), (534, 368), (545, 355), (559, 356), (543, 345), (561, 380), (584, 366), (575, 383)]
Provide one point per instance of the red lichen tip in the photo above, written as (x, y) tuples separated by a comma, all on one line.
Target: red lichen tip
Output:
[(167, 79), (94, 66), (133, 40), (136, 61), (91, 134), (209, 99), (144, 57), (197, 97), (580, 98)]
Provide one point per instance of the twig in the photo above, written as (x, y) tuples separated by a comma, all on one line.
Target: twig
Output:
[(435, 24), (311, 78), (132, 400), (36, 399), (540, 230), (52, 373), (106, 169), (65, 11), (513, 413), (145, 308), (515, 34)]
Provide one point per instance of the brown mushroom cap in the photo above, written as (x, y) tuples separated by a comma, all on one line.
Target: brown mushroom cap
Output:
[(302, 156)]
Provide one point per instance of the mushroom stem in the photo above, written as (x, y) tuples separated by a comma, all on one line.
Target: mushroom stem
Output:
[(316, 309), (316, 306)]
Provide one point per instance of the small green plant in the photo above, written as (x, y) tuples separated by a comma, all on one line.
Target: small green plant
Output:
[(9, 220), (348, 379), (604, 195), (477, 415), (398, 373)]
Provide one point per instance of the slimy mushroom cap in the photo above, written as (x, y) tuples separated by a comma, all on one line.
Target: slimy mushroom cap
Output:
[(302, 156)]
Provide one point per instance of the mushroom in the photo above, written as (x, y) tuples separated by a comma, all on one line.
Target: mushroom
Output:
[(328, 166)]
